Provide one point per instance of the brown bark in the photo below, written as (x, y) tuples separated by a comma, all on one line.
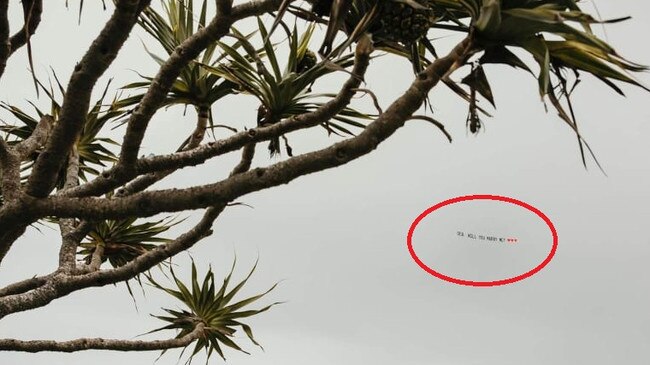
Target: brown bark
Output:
[(83, 344)]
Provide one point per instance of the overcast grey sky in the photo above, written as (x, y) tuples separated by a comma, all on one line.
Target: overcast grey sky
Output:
[(337, 239)]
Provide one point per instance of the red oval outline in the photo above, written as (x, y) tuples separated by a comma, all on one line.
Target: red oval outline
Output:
[(506, 199)]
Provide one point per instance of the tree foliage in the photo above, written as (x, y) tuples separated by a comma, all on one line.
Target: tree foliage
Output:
[(59, 167)]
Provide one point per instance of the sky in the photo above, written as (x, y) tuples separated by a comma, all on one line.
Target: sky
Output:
[(336, 240)]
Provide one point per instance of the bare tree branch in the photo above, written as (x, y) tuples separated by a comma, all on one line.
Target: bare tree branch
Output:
[(83, 344), (246, 160), (193, 141), (224, 7), (33, 10), (97, 257), (99, 56), (10, 160), (70, 237), (9, 172), (24, 285), (5, 46), (37, 139)]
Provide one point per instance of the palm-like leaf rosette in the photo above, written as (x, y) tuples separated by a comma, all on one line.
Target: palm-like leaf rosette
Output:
[(194, 86), (121, 241), (94, 151), (214, 308), (283, 93)]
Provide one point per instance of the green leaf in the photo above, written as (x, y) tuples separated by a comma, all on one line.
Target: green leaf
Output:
[(213, 309)]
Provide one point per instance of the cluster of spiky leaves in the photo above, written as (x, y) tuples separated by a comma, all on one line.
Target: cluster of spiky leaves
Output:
[(287, 93), (195, 86), (123, 240), (556, 33), (94, 151), (213, 307)]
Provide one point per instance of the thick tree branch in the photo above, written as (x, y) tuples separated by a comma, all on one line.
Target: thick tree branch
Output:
[(37, 139), (9, 172), (24, 285), (32, 10), (9, 235), (83, 344), (70, 236), (224, 6), (94, 63), (5, 46), (97, 257), (10, 159), (219, 194)]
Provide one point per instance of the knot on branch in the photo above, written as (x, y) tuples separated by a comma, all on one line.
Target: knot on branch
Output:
[(341, 154)]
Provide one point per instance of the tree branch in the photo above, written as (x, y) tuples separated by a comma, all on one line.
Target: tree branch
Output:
[(154, 202), (219, 194), (70, 236), (111, 179), (62, 284), (94, 63), (33, 10), (97, 257), (37, 139), (246, 160), (5, 46), (193, 141), (9, 172), (83, 344), (99, 56), (24, 285), (224, 7), (169, 71)]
